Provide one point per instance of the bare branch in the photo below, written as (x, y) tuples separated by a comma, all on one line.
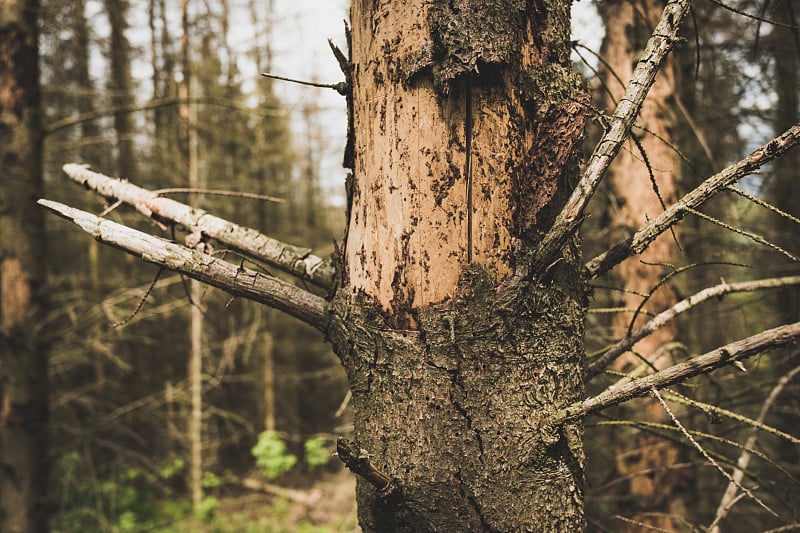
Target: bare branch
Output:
[(640, 240), (297, 261), (725, 355), (729, 497), (705, 454), (570, 217), (231, 278), (601, 362), (340, 87), (74, 120)]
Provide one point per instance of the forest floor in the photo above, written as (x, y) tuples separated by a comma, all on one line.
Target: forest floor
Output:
[(325, 506)]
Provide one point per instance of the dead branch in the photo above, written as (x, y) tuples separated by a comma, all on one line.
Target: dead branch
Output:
[(640, 240), (67, 122), (295, 260), (729, 497), (601, 362), (660, 43), (229, 277), (725, 355), (306, 498), (706, 455)]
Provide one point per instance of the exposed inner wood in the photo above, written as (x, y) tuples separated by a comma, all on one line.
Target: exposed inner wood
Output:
[(418, 154)]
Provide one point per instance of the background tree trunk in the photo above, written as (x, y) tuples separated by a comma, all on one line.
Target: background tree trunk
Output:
[(464, 132), (784, 188), (23, 357), (639, 180), (121, 85)]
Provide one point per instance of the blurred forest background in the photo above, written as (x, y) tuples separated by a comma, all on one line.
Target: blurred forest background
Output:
[(192, 411)]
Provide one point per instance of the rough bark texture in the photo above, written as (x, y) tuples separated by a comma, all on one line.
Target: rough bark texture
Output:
[(23, 361), (465, 116), (642, 182)]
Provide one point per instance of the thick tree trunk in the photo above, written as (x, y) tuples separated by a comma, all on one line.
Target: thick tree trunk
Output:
[(23, 358), (465, 117)]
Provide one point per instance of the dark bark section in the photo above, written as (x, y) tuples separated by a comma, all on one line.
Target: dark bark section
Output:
[(23, 360), (784, 187), (453, 411), (467, 34)]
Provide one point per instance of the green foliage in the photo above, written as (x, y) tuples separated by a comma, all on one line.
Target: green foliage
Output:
[(172, 467), (316, 453), (271, 456), (210, 481), (208, 506)]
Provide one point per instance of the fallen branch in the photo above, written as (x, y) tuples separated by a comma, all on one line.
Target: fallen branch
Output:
[(229, 277), (601, 362), (725, 355), (294, 260), (307, 498), (640, 240), (660, 43)]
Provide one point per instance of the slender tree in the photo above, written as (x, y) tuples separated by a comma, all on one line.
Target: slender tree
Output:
[(121, 85), (23, 355)]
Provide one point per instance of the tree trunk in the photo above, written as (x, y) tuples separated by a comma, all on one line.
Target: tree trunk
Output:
[(640, 179), (465, 118), (23, 356), (120, 86), (784, 188)]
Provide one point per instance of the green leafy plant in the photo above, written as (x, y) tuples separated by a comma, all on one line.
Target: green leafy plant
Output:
[(172, 467), (316, 453), (271, 456), (208, 506), (210, 481)]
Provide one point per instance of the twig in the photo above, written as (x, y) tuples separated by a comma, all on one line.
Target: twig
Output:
[(570, 217), (138, 307), (340, 87), (764, 204), (754, 17), (729, 497), (708, 458), (640, 240), (149, 106), (750, 235), (600, 363), (231, 278), (716, 411), (219, 192), (719, 357)]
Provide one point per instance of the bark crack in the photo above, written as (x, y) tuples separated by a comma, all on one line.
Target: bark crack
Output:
[(476, 506), (464, 412), (468, 161)]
